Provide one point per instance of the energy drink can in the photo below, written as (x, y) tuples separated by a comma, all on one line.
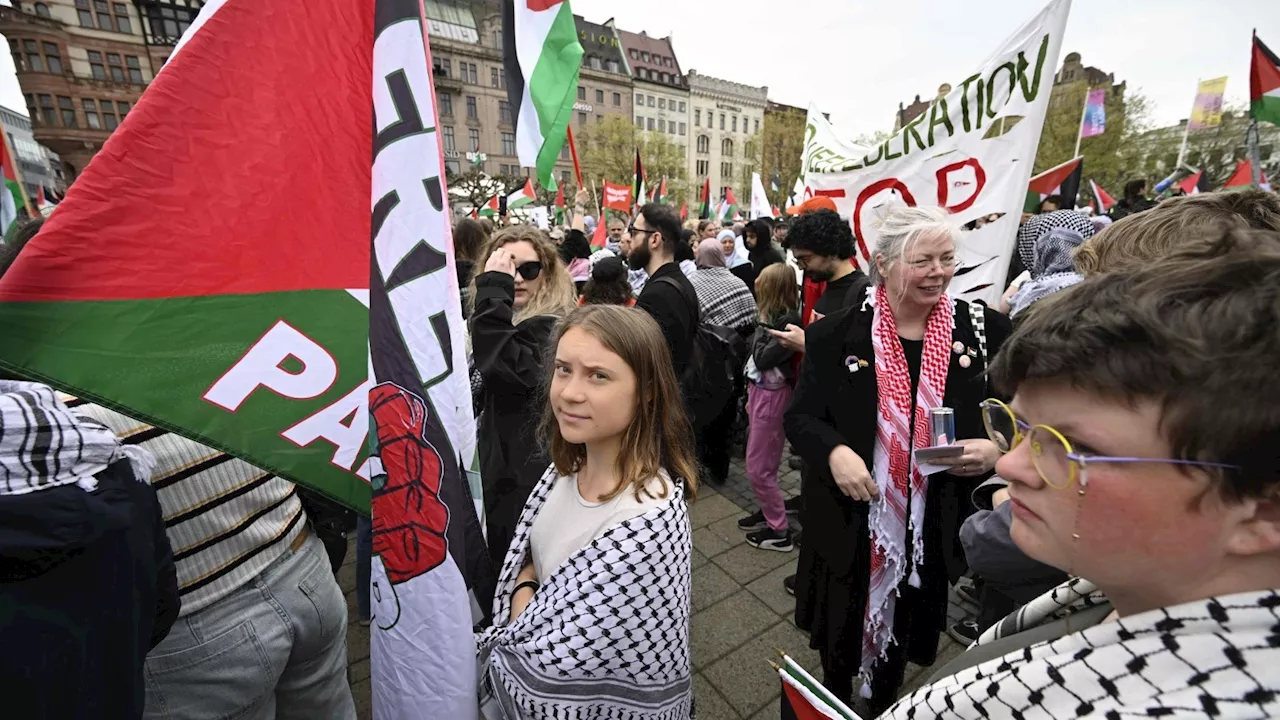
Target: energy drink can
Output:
[(942, 425)]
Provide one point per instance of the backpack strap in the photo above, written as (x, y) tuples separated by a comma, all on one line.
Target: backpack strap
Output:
[(977, 313)]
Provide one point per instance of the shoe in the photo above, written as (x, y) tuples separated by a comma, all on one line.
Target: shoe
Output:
[(792, 505), (967, 594), (789, 584), (752, 522), (794, 463), (795, 537), (770, 539), (964, 632)]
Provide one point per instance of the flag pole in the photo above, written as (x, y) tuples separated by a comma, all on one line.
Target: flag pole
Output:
[(1255, 155), (573, 153), (1186, 132), (1080, 132)]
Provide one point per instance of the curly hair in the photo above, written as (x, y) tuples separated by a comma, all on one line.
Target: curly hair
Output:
[(821, 232), (608, 284)]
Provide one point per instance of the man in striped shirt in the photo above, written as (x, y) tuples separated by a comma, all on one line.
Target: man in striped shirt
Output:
[(263, 627)]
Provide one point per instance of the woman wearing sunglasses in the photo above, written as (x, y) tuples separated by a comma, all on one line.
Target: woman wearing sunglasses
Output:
[(1142, 450), (881, 539), (524, 289)]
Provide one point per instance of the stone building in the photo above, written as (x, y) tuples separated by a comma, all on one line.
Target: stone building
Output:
[(38, 164), (660, 90), (726, 124), (1074, 77), (604, 84), (917, 108), (83, 64)]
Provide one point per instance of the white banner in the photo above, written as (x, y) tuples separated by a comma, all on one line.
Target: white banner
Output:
[(759, 200), (971, 152)]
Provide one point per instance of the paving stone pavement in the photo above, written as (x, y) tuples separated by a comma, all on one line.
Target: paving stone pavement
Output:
[(741, 612)]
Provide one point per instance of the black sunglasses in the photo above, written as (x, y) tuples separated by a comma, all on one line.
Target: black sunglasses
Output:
[(529, 270)]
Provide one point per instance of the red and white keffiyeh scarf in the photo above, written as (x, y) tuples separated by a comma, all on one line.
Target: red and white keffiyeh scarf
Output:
[(893, 468)]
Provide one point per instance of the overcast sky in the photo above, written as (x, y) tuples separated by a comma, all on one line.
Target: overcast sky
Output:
[(859, 59)]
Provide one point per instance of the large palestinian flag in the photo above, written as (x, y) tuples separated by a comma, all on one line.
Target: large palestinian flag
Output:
[(1063, 181), (1264, 84), (246, 302), (542, 58)]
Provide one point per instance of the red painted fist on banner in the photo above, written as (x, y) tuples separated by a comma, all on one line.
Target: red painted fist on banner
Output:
[(409, 518)]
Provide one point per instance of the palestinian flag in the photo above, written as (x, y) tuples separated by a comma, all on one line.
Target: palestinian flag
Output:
[(1101, 200), (284, 332), (1195, 184), (542, 57), (805, 697), (560, 209), (1264, 84), (728, 206), (684, 211), (600, 237), (638, 190), (1063, 181), (12, 197), (523, 196), (704, 212), (490, 208), (660, 194), (1243, 176)]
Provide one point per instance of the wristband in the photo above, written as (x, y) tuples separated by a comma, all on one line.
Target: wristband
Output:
[(526, 584)]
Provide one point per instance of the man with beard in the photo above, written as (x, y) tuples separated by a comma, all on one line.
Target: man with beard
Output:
[(672, 302), (822, 245)]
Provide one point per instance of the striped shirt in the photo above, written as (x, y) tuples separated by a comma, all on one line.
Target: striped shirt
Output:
[(226, 519)]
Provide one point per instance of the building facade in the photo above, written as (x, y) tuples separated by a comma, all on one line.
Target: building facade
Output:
[(661, 93), (726, 124), (604, 83), (83, 64), (37, 163)]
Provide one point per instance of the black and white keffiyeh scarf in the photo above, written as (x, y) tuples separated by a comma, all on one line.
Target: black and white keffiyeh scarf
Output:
[(43, 445), (606, 636), (1218, 657)]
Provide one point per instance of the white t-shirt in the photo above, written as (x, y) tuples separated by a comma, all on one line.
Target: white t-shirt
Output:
[(567, 522)]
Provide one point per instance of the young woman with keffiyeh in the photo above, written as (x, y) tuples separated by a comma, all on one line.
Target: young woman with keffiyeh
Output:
[(881, 539), (592, 608), (1141, 457)]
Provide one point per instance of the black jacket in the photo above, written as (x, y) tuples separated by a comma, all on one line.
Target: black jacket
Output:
[(675, 306), (87, 588), (510, 359), (833, 406)]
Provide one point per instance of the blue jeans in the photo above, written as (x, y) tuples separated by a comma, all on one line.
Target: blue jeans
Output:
[(364, 560), (275, 648)]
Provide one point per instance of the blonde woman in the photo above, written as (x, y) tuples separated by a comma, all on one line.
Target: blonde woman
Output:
[(523, 291)]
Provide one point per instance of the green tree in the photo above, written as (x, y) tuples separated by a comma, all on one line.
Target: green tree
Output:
[(1110, 159), (782, 144), (607, 150), (1214, 151)]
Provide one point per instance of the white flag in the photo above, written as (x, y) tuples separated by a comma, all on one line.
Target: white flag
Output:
[(759, 200)]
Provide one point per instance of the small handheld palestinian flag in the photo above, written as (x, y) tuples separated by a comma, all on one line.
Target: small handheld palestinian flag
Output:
[(1102, 201), (560, 210), (728, 206), (1243, 176), (660, 194), (1264, 84), (13, 199), (1063, 181), (704, 212), (684, 211), (542, 57), (490, 208), (637, 185), (523, 196), (805, 697)]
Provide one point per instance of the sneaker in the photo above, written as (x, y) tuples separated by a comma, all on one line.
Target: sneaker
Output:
[(795, 463), (789, 584), (964, 632), (792, 505), (968, 594), (770, 539), (754, 521)]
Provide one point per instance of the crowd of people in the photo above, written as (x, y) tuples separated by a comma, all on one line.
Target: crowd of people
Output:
[(1109, 494)]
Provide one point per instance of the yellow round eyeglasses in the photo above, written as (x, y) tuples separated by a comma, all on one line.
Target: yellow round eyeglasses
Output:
[(1057, 463)]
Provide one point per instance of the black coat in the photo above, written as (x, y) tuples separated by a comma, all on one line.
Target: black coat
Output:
[(674, 305), (87, 588), (510, 359), (833, 406)]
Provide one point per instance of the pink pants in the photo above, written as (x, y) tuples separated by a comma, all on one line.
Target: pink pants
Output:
[(765, 440)]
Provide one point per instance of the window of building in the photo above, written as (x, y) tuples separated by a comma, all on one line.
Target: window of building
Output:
[(122, 17), (446, 104), (446, 67), (52, 58), (447, 134), (475, 73), (662, 125), (497, 39), (704, 167), (96, 66), (108, 114), (493, 77), (68, 109), (48, 114), (166, 21), (735, 123), (649, 101), (452, 167), (91, 114), (671, 127), (639, 99), (124, 109), (704, 144), (644, 56), (649, 123), (115, 67), (726, 147), (682, 106), (582, 119), (757, 130), (721, 121), (594, 61), (582, 93), (472, 114), (639, 122), (135, 69), (32, 59), (664, 77), (504, 112), (611, 66), (726, 170), (682, 128), (82, 10), (42, 10), (473, 139), (617, 99), (632, 53), (564, 177), (697, 118), (508, 143), (662, 103), (600, 96)]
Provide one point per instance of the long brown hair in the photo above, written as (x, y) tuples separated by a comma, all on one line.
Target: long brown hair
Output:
[(556, 296), (659, 437), (777, 292)]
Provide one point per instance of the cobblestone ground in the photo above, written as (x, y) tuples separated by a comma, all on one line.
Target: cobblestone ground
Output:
[(741, 612)]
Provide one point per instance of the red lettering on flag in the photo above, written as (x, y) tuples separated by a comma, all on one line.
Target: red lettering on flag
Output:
[(866, 194)]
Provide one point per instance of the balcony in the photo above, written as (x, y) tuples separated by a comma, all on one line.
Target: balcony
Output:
[(444, 82)]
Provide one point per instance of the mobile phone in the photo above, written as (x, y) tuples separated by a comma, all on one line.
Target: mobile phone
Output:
[(941, 451), (502, 204)]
